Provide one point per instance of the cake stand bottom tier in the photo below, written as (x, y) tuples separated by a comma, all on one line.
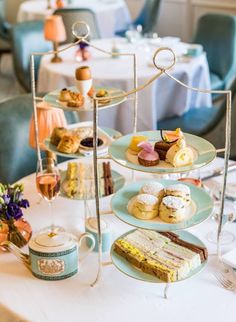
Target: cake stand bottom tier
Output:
[(124, 266)]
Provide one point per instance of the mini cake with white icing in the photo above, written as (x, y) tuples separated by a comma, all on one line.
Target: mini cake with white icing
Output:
[(143, 206), (172, 209), (153, 188), (179, 190)]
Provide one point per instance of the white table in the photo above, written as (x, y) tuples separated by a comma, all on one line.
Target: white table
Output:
[(162, 99), (116, 13), (116, 297)]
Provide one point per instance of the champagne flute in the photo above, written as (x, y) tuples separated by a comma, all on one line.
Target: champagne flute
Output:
[(229, 215), (48, 184)]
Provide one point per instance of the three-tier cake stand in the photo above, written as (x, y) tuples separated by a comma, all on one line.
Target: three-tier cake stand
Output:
[(81, 31)]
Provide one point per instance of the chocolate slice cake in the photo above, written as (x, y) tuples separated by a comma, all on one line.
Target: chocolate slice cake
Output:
[(161, 147)]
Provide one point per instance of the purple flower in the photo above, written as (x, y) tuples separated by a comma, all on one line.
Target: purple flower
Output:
[(13, 211), (6, 199), (23, 203), (83, 45)]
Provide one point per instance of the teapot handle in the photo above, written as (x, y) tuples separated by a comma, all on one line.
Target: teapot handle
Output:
[(24, 258), (90, 236)]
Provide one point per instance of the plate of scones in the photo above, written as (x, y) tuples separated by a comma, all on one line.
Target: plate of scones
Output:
[(159, 257), (71, 99), (163, 205), (162, 151), (76, 141)]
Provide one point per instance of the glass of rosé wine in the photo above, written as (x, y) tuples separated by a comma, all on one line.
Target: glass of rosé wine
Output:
[(48, 184)]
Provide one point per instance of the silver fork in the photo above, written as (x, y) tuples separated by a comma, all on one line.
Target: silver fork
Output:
[(225, 282)]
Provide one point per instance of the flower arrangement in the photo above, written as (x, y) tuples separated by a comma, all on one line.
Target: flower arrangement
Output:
[(11, 202)]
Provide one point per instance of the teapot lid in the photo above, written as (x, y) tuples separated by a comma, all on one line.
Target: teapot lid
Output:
[(51, 242)]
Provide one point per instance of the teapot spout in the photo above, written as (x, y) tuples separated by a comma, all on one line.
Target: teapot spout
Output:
[(24, 258)]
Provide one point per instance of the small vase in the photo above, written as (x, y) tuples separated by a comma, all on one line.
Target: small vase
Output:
[(18, 232)]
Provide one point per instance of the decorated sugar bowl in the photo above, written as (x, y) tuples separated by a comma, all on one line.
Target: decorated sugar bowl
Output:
[(52, 256)]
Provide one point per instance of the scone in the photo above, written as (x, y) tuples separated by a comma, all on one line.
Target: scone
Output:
[(83, 132), (57, 134), (172, 209), (65, 95), (143, 206), (153, 188), (68, 144), (179, 190)]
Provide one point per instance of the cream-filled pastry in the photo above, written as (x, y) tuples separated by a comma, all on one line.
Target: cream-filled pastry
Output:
[(172, 209), (179, 154), (143, 206)]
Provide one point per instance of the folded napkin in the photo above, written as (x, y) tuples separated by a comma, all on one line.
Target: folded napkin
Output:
[(7, 315), (230, 258)]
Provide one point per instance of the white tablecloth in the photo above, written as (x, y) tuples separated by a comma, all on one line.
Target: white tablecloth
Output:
[(117, 297), (162, 99), (116, 13)]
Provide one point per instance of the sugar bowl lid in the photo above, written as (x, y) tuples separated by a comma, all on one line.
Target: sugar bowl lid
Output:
[(52, 242)]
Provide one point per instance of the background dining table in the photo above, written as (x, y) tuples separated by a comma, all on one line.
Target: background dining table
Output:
[(116, 13), (116, 297), (164, 98)]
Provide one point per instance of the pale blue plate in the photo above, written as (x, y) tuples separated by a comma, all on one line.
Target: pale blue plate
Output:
[(200, 209), (117, 178), (205, 152), (128, 269), (52, 99), (106, 133)]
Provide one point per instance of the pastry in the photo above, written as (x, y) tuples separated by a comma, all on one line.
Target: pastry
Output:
[(164, 258), (147, 156), (57, 134), (179, 190), (83, 132), (68, 144), (64, 95), (135, 140), (168, 140), (102, 93), (171, 136), (172, 209), (75, 103), (161, 147), (143, 206), (153, 188), (179, 154)]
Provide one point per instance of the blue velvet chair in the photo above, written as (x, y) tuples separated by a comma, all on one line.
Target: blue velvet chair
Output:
[(27, 37), (71, 15), (198, 121), (147, 17), (5, 27), (217, 34), (17, 159)]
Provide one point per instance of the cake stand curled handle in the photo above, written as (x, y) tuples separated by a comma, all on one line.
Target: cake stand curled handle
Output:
[(169, 65)]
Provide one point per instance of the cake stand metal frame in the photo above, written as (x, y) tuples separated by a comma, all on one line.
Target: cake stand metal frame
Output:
[(81, 32), (161, 70)]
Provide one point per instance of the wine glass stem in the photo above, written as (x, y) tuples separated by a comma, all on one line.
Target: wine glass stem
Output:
[(52, 216)]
